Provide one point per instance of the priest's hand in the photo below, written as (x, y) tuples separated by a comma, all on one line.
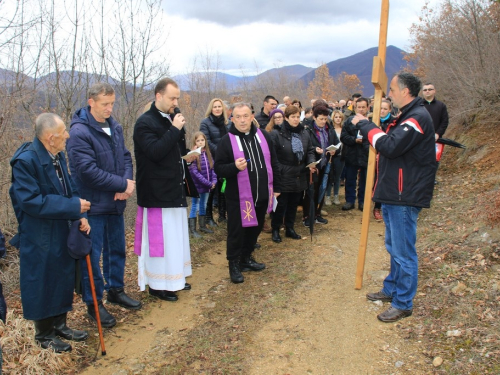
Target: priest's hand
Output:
[(241, 164)]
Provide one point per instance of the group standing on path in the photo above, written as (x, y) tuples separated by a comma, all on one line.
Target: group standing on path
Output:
[(248, 166)]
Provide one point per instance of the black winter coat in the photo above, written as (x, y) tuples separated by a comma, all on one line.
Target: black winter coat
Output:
[(332, 139), (158, 148), (262, 118), (407, 157), (355, 154), (257, 170), (213, 132), (293, 172)]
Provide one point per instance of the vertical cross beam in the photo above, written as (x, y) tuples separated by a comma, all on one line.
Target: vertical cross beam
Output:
[(379, 80)]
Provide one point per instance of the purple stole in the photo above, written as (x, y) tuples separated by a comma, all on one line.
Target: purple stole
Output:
[(247, 207), (155, 232)]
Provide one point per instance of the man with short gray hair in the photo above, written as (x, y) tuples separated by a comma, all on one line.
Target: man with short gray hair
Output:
[(101, 166), (405, 182), (249, 164), (45, 199)]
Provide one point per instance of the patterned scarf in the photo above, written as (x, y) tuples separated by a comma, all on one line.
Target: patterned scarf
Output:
[(322, 136), (297, 147)]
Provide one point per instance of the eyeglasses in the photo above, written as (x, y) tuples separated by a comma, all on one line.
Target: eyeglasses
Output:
[(428, 90), (278, 117)]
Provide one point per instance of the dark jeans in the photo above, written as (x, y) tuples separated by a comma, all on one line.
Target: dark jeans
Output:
[(351, 177), (108, 238), (240, 240), (287, 208), (335, 173)]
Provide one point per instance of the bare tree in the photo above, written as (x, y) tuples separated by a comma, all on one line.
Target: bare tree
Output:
[(457, 47)]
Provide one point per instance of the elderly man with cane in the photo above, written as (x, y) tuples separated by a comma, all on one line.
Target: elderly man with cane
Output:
[(45, 201)]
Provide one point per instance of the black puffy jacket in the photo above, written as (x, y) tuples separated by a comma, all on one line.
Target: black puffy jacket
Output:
[(355, 154), (293, 172)]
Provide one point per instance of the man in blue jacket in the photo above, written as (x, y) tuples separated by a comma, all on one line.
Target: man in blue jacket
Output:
[(45, 200), (405, 183), (101, 166)]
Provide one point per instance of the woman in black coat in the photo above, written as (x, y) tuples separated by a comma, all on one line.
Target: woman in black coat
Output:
[(214, 126), (322, 135), (294, 151)]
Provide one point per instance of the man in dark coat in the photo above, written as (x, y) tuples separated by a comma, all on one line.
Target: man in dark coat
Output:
[(248, 162), (44, 200), (262, 118), (163, 182), (437, 110), (405, 183), (355, 151), (101, 166)]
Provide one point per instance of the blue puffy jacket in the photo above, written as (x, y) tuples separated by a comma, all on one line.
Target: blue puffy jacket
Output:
[(100, 164)]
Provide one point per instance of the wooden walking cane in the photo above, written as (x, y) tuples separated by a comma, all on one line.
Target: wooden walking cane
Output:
[(96, 305), (379, 80)]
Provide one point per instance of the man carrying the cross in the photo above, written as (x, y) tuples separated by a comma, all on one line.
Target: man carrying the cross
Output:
[(405, 183), (249, 165)]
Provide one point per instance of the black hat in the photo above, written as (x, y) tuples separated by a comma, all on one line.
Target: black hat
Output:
[(79, 243)]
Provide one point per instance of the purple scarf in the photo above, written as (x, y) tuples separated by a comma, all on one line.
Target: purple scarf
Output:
[(247, 206)]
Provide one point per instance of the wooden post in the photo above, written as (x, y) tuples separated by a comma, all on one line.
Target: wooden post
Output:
[(379, 80)]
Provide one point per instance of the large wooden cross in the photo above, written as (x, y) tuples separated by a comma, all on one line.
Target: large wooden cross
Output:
[(379, 80)]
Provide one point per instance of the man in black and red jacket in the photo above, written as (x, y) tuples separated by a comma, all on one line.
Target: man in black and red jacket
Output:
[(405, 183)]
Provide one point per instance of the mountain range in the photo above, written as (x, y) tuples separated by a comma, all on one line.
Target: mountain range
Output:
[(360, 64)]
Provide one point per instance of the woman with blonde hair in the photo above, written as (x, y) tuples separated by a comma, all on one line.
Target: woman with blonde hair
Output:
[(215, 126)]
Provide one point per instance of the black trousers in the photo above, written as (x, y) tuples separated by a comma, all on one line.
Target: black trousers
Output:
[(287, 208), (241, 241)]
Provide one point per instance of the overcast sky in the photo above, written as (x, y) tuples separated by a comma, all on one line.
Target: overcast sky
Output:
[(307, 32)]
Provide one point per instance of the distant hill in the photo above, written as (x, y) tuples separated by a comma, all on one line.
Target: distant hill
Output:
[(361, 64), (293, 71)]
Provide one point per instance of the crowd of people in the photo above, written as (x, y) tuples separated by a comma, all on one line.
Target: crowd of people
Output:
[(247, 165)]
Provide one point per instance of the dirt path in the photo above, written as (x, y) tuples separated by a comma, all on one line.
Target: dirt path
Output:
[(328, 327)]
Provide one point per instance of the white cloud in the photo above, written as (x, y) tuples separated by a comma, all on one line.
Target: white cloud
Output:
[(254, 32)]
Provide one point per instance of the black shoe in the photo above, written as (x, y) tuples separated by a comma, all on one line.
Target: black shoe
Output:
[(164, 295), (378, 296), (348, 206), (235, 272), (117, 296), (320, 220), (248, 263), (45, 336), (393, 315), (290, 232), (192, 228), (361, 205), (305, 222), (276, 236), (187, 286), (211, 222), (62, 330), (203, 225), (107, 320)]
